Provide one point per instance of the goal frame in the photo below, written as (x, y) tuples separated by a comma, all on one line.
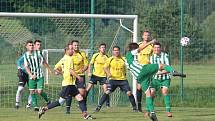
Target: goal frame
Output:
[(132, 17)]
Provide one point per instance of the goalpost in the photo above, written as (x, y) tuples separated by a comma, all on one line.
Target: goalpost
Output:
[(78, 22)]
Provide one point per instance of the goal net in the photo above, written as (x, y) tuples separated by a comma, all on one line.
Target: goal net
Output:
[(55, 30)]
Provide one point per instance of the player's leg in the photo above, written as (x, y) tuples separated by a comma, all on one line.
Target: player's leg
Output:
[(82, 103), (40, 87), (139, 97), (104, 97), (22, 81), (171, 70), (68, 104), (33, 93), (164, 90), (146, 87), (29, 96), (102, 81), (124, 86), (82, 87), (91, 83), (65, 92)]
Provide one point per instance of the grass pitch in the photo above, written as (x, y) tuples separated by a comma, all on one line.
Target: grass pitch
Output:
[(110, 114)]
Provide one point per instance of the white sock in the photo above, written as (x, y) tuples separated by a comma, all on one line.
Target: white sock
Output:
[(19, 94), (29, 99)]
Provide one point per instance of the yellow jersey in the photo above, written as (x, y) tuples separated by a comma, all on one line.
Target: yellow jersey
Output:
[(80, 60), (65, 64), (144, 55), (117, 68), (98, 60)]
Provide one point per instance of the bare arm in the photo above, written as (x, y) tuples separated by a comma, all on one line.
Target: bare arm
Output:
[(107, 71), (142, 46), (89, 70), (29, 73), (72, 72)]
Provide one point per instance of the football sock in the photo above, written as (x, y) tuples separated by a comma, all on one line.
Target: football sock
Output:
[(53, 104), (29, 99), (139, 98), (167, 102), (68, 103), (132, 100), (34, 100), (82, 105), (45, 96), (149, 103), (19, 94), (108, 100), (103, 99)]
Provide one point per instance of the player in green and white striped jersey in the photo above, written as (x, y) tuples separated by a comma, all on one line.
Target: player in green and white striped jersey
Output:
[(33, 63), (162, 79), (144, 73)]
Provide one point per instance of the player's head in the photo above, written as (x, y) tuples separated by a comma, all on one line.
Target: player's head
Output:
[(116, 51), (146, 36), (68, 51), (75, 45), (157, 48), (102, 48), (132, 46), (37, 44), (29, 45)]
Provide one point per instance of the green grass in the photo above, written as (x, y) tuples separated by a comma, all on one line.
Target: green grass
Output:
[(199, 87), (112, 114)]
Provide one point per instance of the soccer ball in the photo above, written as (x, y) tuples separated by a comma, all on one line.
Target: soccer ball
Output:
[(185, 41)]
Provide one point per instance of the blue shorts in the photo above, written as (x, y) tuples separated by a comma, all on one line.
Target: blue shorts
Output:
[(67, 91), (23, 78), (81, 84), (122, 84), (94, 79)]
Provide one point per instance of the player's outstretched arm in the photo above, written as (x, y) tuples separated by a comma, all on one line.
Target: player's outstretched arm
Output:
[(142, 46), (72, 72)]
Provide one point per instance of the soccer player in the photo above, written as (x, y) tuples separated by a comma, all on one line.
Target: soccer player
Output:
[(115, 69), (80, 61), (162, 79), (37, 47), (65, 67), (143, 73), (96, 65), (33, 62), (143, 58), (23, 79)]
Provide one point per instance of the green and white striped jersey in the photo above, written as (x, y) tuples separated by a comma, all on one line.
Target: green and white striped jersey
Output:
[(132, 63), (34, 62), (163, 58)]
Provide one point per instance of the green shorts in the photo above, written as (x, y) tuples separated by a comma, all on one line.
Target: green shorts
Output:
[(157, 84), (146, 75), (36, 84)]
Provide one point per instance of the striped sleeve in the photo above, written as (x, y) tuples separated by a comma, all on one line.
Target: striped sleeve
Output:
[(26, 64)]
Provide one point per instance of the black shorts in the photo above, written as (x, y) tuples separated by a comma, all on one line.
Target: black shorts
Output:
[(23, 78), (122, 84), (80, 84), (94, 79), (67, 91)]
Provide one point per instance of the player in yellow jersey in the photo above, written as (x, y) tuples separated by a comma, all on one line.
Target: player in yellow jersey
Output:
[(143, 58), (115, 69), (96, 71), (65, 67), (80, 61)]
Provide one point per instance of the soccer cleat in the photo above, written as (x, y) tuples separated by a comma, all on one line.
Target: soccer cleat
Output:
[(88, 117), (168, 114), (67, 112), (135, 110), (28, 106), (36, 109), (41, 112), (17, 107), (175, 73), (153, 116), (98, 109)]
